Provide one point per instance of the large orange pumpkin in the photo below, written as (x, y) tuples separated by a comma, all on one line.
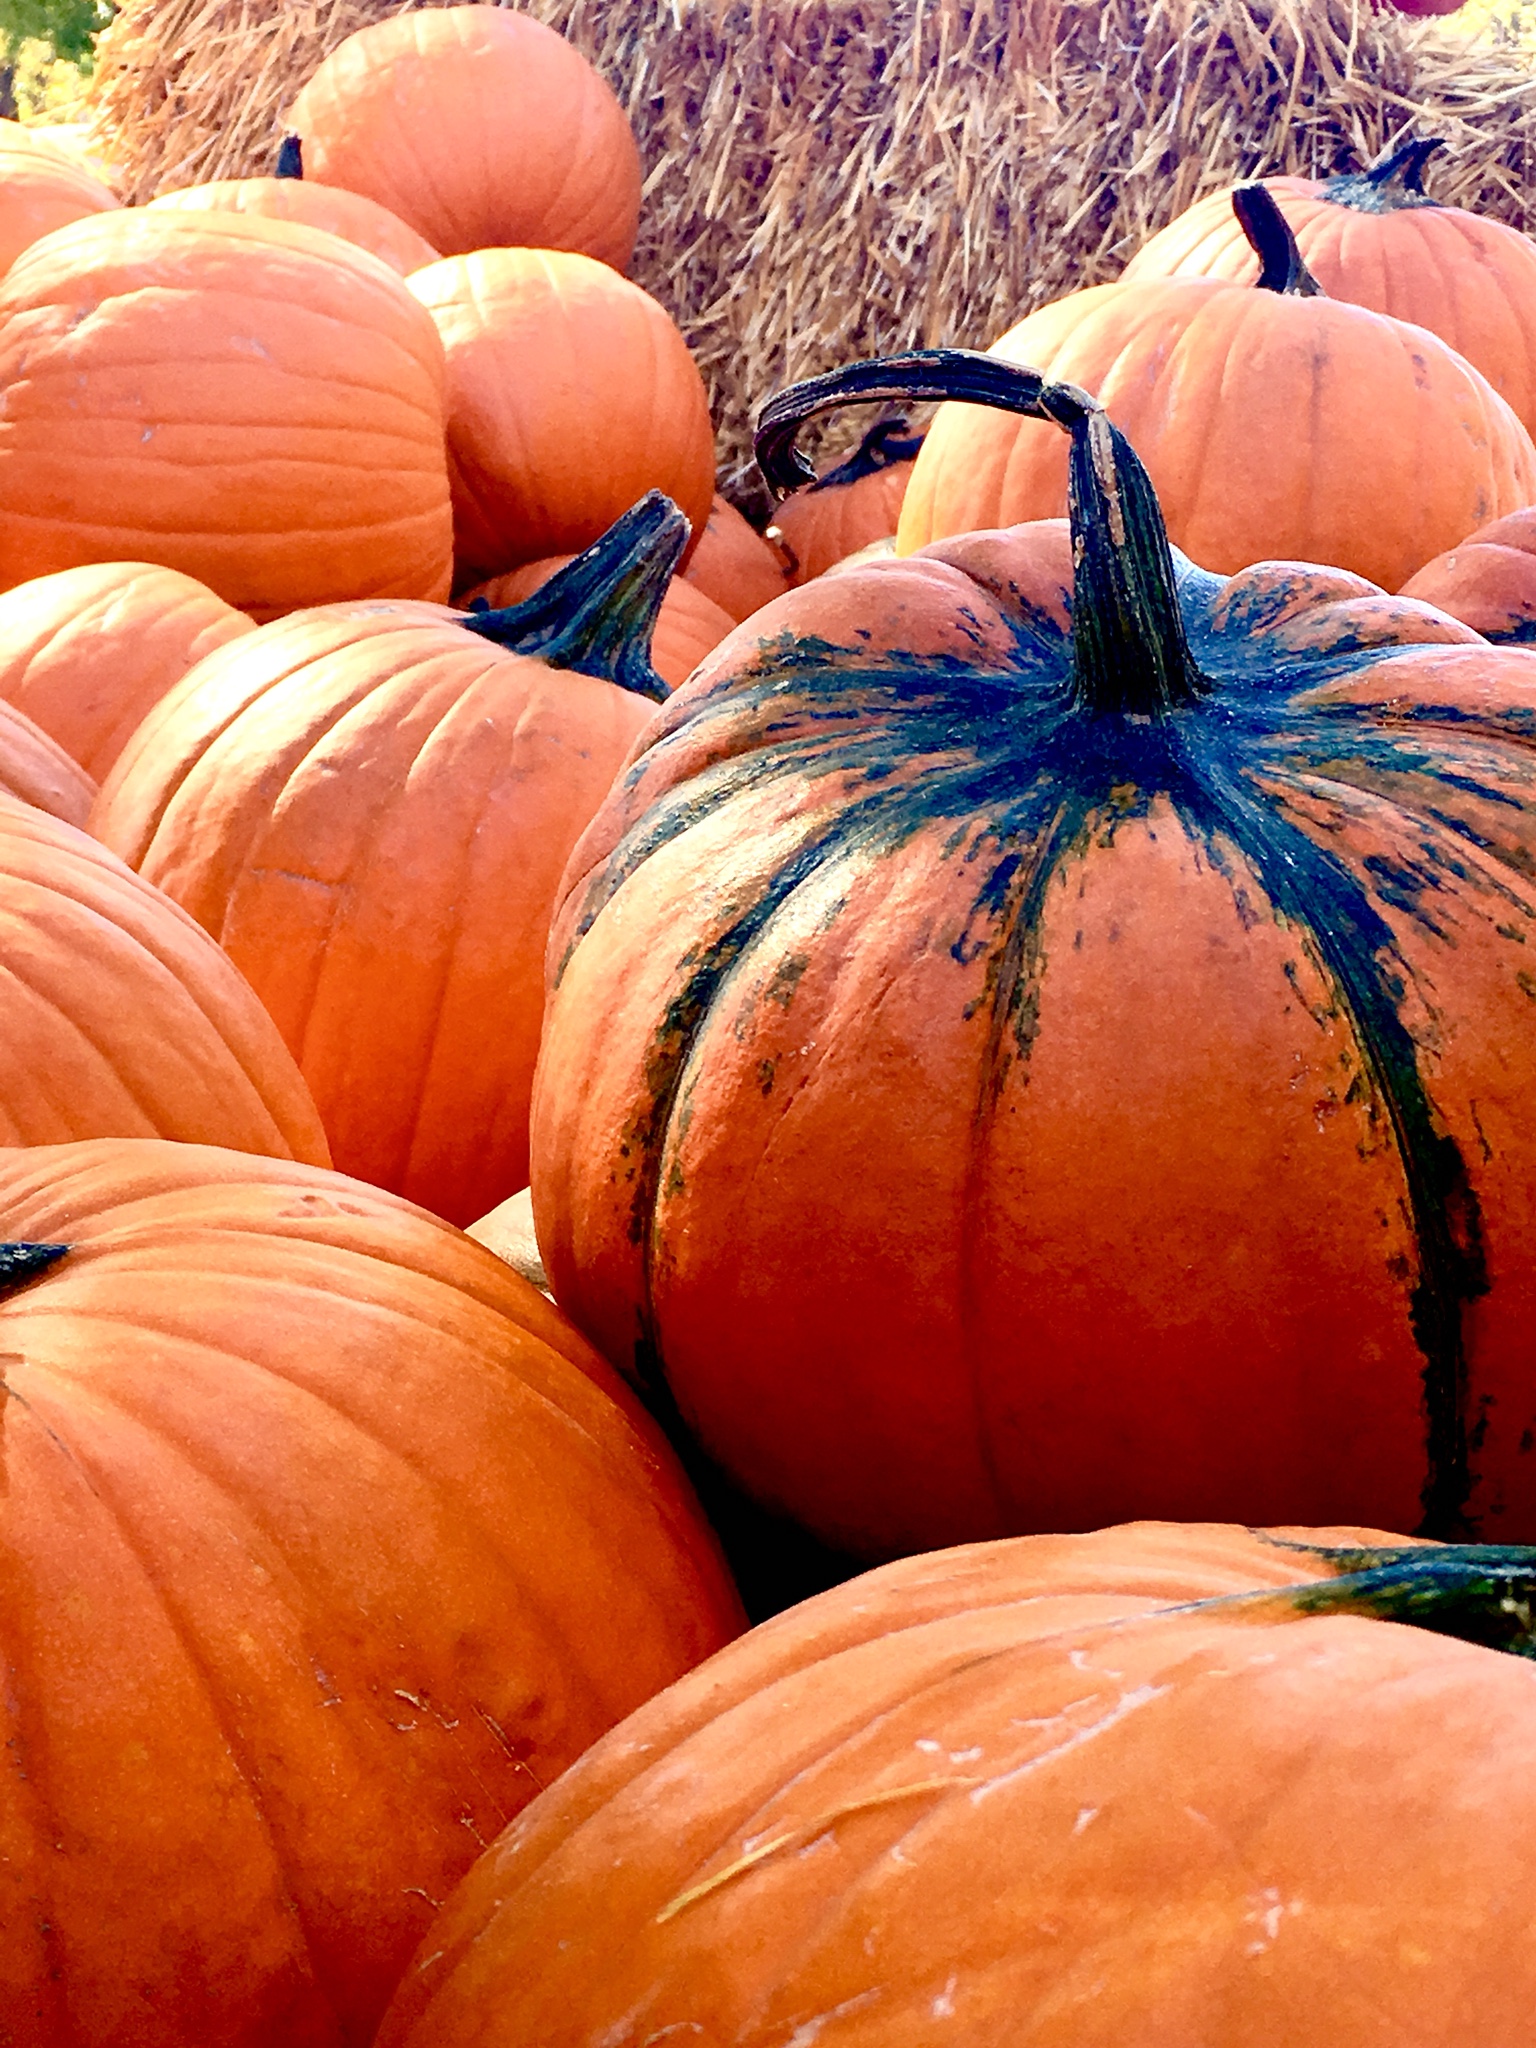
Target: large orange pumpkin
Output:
[(41, 188), (1004, 1074), (88, 652), (1274, 423), (324, 1544), (570, 394), (370, 806), (1377, 239), (37, 769), (1488, 580), (481, 127), (349, 214), (121, 1018), (252, 402), (1155, 1785)]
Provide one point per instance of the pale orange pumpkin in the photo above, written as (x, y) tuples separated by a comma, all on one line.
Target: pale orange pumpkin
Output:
[(353, 216)]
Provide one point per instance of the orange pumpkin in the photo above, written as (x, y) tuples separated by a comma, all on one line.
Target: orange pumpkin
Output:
[(249, 401), (324, 1544), (1153, 1785), (1275, 424), (36, 769), (734, 565), (851, 506), (41, 188), (1377, 239), (356, 219), (688, 626), (369, 807), (1488, 580), (570, 394), (88, 652), (121, 1018), (480, 127)]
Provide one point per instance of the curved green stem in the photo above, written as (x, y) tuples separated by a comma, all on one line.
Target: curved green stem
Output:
[(597, 614), (1477, 1592), (290, 158), (1394, 180), (1130, 653), (20, 1263), (1269, 236)]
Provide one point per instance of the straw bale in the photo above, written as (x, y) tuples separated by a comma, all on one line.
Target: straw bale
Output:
[(827, 178)]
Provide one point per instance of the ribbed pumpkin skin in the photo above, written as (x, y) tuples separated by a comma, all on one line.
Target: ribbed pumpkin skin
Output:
[(325, 1544), (1489, 581), (1274, 428), (370, 808), (480, 127), (120, 1018), (36, 769), (1471, 281), (914, 1038), (355, 218), (40, 190), (570, 395), (733, 565), (248, 401), (88, 652), (1011, 1794), (688, 626)]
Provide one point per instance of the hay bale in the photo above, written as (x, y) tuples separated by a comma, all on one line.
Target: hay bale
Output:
[(827, 178)]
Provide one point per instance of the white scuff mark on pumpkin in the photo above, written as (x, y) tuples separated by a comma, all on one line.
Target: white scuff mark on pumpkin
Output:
[(1128, 1703), (967, 1756), (927, 1744), (808, 2031), (943, 2007), (1267, 1912), (1085, 1814)]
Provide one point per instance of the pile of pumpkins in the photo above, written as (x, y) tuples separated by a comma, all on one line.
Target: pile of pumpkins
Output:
[(1010, 998)]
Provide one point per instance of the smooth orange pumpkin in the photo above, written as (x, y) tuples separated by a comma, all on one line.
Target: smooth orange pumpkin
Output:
[(250, 401), (1153, 1785), (36, 769), (88, 652), (1488, 580), (481, 127), (688, 626), (570, 394), (121, 1018), (851, 506), (733, 564), (351, 215), (42, 188), (324, 1544), (1275, 425), (1377, 239), (369, 807)]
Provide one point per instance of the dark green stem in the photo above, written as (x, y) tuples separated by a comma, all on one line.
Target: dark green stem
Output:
[(886, 444), (20, 1263), (1269, 236), (1129, 649), (1477, 1592), (290, 158), (1395, 180), (597, 614)]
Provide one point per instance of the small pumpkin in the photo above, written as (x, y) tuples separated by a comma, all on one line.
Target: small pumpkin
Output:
[(42, 188), (733, 564), (37, 770), (850, 507), (1488, 580), (356, 218), (325, 1543), (481, 127), (688, 626), (1274, 422), (1155, 1784)]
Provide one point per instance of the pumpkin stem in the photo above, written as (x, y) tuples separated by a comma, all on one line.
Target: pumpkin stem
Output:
[(1478, 1592), (598, 613), (1394, 180), (1269, 236), (887, 443), (290, 157), (1129, 649), (20, 1263)]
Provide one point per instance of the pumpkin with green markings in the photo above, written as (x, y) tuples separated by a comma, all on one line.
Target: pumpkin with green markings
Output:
[(1025, 1052)]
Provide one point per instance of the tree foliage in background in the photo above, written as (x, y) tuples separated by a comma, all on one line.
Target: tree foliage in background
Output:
[(68, 26)]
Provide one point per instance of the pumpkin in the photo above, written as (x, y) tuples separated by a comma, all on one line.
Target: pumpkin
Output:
[(1006, 1071), (88, 652), (42, 188), (369, 807), (1488, 580), (1274, 423), (688, 625), (570, 394), (1152, 1785), (325, 1544), (38, 771), (121, 1018), (733, 564), (250, 401), (1376, 238), (480, 127), (851, 506), (356, 219)]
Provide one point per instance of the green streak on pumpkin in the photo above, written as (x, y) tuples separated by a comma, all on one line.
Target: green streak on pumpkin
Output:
[(20, 1263), (1482, 1593)]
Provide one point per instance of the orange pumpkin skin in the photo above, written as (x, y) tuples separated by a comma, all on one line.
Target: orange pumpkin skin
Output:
[(853, 505), (1022, 1792), (326, 1544), (88, 652), (688, 626), (370, 807), (36, 769), (480, 127), (42, 188), (734, 565), (570, 394), (1468, 279), (120, 1018), (355, 218), (1380, 447), (249, 401), (1488, 580)]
